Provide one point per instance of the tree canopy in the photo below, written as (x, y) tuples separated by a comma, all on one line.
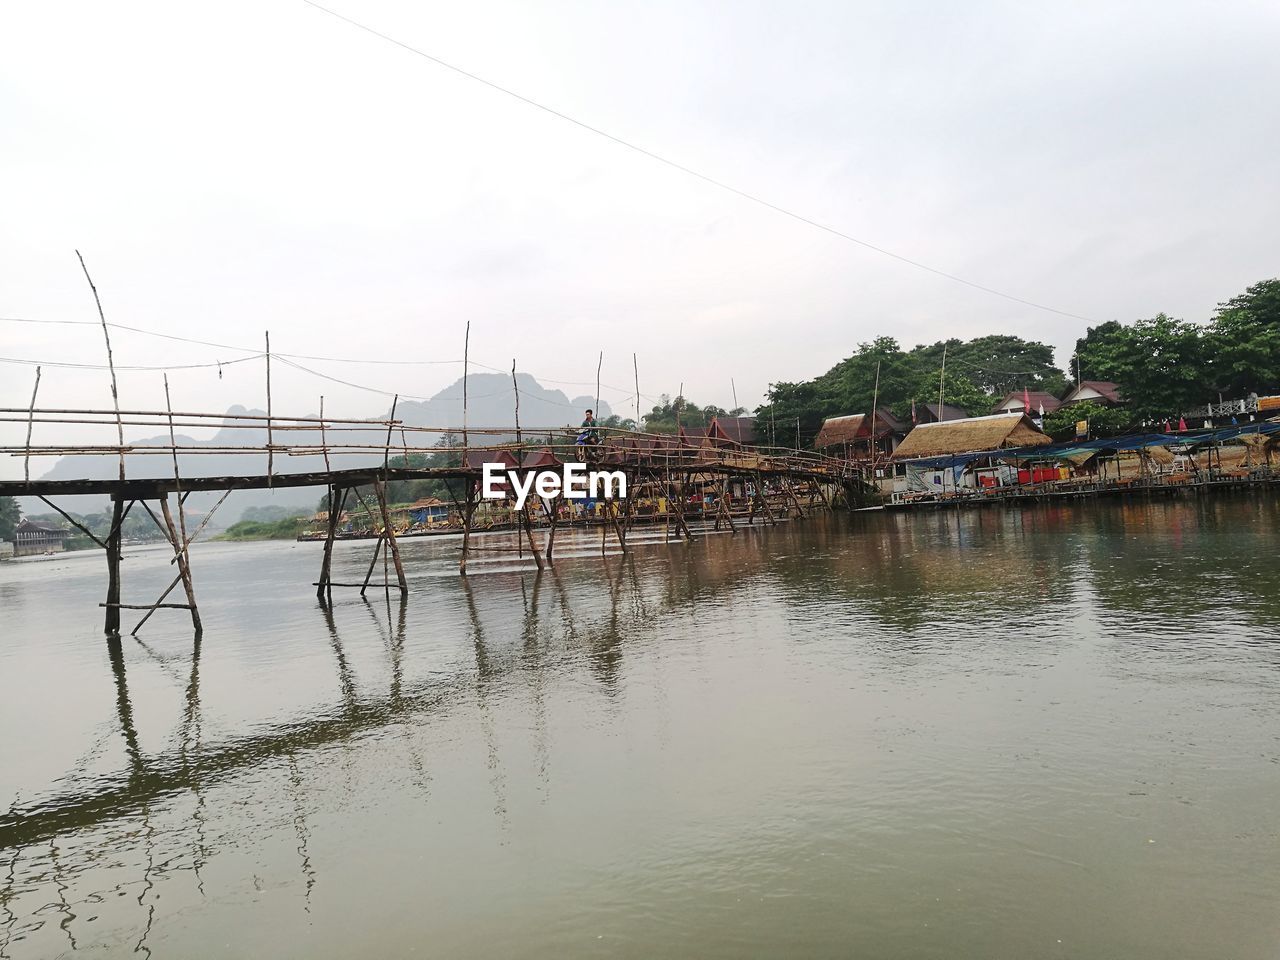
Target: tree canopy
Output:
[(1164, 366), (978, 373), (670, 414), (10, 515)]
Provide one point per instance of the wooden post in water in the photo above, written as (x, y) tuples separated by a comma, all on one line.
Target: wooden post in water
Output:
[(337, 497), (527, 522), (468, 511), (762, 499), (112, 626), (612, 507), (373, 562), (791, 491), (389, 534), (553, 518), (184, 563)]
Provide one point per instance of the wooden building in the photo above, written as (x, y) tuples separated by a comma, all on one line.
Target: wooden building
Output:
[(732, 431), (970, 435), (850, 436), (936, 413), (31, 538), (1102, 392), (937, 458), (1016, 402)]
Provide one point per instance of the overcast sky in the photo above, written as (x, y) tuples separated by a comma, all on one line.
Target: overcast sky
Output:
[(235, 167)]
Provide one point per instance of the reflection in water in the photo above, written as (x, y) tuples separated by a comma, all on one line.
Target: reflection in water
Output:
[(484, 674), (535, 665), (953, 716), (124, 709)]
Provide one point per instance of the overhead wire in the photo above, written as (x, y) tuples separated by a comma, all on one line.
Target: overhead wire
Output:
[(675, 165), (290, 359), (66, 364)]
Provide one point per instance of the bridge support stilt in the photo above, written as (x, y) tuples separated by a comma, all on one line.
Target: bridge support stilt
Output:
[(337, 500), (553, 519), (112, 625), (389, 534), (722, 509), (184, 563), (760, 500), (795, 500), (527, 523), (468, 512)]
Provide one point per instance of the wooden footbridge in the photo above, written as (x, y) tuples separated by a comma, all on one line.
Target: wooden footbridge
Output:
[(736, 483)]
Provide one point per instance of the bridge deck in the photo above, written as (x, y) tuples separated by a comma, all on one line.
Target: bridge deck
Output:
[(150, 488)]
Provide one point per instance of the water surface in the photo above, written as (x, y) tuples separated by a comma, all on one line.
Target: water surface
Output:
[(1051, 732)]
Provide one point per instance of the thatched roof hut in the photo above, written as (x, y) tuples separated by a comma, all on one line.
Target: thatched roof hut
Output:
[(837, 431), (970, 435)]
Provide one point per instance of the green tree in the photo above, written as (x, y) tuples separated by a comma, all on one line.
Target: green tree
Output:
[(665, 416), (1244, 337), (957, 391), (1103, 421), (1164, 367), (10, 514), (998, 364), (1100, 353)]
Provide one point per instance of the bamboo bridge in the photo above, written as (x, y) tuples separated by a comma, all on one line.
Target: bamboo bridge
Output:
[(740, 482)]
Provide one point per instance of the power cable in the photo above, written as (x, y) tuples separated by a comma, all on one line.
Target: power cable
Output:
[(694, 173)]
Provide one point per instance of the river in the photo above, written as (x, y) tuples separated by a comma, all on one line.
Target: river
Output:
[(1049, 732)]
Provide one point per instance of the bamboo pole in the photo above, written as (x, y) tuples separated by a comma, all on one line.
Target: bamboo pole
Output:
[(26, 464), (386, 453), (112, 624), (324, 442), (111, 365), (270, 452), (75, 523), (942, 379), (466, 363), (184, 564), (203, 523), (159, 604), (389, 533), (337, 498), (468, 512), (177, 479), (373, 561)]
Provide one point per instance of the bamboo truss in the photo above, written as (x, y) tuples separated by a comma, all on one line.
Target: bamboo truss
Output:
[(672, 469)]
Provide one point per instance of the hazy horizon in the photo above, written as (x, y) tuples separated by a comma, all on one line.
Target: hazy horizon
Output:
[(227, 171)]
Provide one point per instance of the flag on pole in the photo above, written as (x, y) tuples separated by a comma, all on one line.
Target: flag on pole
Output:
[(1026, 401), (913, 410)]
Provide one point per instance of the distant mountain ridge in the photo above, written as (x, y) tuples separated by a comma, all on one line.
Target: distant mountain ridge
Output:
[(490, 404), (491, 401)]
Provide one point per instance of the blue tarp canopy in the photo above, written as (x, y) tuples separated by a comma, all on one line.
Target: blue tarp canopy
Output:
[(1137, 441)]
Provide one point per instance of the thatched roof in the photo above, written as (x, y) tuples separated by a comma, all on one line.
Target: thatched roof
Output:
[(837, 431), (970, 435)]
